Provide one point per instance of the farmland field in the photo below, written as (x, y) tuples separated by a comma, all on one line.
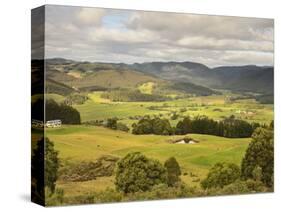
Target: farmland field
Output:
[(86, 143), (212, 106)]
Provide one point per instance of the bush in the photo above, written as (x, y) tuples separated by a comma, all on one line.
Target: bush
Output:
[(111, 123), (220, 175), (135, 172), (163, 191), (240, 187), (108, 195), (76, 99), (56, 198), (259, 155), (174, 116), (173, 170), (122, 127), (89, 170)]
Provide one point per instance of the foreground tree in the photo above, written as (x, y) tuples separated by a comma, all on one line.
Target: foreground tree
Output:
[(258, 160), (44, 156), (220, 175), (135, 172), (173, 171)]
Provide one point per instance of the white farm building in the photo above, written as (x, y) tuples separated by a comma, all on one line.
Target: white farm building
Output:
[(53, 123)]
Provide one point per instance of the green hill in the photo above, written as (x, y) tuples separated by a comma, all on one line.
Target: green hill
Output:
[(58, 88), (85, 143), (86, 76)]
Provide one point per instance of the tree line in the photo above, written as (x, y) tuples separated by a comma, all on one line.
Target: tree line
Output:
[(66, 113), (53, 111), (229, 127)]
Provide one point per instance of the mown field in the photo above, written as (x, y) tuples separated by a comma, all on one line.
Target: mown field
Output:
[(87, 143)]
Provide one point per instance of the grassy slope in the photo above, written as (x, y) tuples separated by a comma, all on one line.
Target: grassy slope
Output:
[(98, 108), (58, 98), (85, 143), (106, 78)]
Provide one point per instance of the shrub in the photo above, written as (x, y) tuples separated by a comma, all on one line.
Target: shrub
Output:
[(89, 170), (56, 198), (76, 98), (239, 187), (173, 171), (220, 175), (163, 191), (108, 195), (260, 153), (122, 127), (111, 123), (135, 172)]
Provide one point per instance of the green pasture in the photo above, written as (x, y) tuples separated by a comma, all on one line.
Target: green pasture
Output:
[(215, 107), (87, 143)]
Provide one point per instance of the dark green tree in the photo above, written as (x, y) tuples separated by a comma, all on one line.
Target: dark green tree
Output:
[(135, 172), (144, 126), (152, 126), (44, 167), (259, 155), (66, 113), (184, 126), (122, 127), (112, 123), (173, 171), (220, 175), (161, 127), (51, 165)]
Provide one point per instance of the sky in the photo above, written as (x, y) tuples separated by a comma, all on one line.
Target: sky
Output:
[(130, 36)]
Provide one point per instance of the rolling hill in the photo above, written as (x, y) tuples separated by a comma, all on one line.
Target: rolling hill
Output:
[(236, 78), (245, 78), (85, 76), (190, 75)]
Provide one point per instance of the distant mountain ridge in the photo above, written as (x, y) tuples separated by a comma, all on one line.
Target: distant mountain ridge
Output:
[(248, 78)]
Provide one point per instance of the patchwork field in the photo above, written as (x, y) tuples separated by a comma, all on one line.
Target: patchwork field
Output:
[(217, 107)]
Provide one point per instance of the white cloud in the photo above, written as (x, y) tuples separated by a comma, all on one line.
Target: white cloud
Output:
[(136, 36), (89, 16)]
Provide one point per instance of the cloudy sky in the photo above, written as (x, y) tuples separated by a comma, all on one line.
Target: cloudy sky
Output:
[(128, 36)]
